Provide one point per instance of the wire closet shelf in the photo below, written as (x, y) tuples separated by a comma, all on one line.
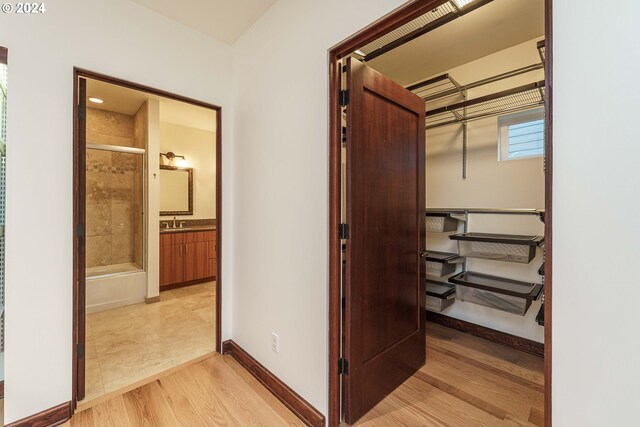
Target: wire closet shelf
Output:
[(509, 101)]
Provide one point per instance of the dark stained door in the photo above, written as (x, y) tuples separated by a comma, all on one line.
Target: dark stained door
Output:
[(384, 287), (81, 180)]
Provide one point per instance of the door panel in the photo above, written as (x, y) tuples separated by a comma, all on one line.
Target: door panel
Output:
[(384, 290)]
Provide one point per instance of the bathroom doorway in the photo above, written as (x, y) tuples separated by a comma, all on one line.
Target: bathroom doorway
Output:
[(147, 210)]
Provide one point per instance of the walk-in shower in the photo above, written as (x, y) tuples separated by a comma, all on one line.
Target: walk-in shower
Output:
[(115, 199)]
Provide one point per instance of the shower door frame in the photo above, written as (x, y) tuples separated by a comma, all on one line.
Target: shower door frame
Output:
[(79, 202), (134, 152)]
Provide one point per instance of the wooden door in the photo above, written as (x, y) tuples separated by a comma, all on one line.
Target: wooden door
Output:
[(81, 218), (384, 329)]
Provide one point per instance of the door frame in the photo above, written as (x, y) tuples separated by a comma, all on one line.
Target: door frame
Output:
[(393, 20), (79, 199)]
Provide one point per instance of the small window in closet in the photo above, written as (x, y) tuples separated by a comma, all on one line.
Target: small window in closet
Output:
[(521, 135)]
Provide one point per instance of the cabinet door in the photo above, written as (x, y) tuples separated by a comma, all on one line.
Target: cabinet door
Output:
[(172, 264), (212, 270), (196, 261)]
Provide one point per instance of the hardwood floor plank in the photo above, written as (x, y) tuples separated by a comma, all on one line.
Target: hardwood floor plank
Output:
[(508, 360), (507, 373), (468, 382), (205, 394), (488, 388), (112, 413), (208, 405), (147, 407), (185, 413), (536, 417), (470, 398), (289, 418)]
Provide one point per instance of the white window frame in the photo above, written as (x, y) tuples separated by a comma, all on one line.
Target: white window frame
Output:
[(503, 131)]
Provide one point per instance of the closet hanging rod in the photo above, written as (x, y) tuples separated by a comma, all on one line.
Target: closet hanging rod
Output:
[(459, 88), (489, 211), (492, 211), (491, 97)]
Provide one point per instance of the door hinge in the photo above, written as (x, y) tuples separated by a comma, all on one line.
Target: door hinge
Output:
[(80, 350), (343, 367), (343, 98), (343, 231), (80, 230), (344, 134)]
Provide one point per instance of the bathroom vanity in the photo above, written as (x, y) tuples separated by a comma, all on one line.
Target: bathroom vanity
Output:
[(187, 256)]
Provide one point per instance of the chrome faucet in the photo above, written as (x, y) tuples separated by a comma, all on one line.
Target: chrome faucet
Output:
[(166, 224), (174, 222), (182, 223)]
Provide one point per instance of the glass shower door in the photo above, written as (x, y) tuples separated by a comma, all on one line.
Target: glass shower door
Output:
[(114, 219)]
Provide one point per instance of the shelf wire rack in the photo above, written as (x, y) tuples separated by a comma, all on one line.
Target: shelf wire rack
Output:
[(512, 100)]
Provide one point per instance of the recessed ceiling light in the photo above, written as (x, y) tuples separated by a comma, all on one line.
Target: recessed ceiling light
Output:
[(462, 3), (96, 100)]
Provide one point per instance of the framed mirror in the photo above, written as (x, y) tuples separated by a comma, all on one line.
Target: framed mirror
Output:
[(176, 190)]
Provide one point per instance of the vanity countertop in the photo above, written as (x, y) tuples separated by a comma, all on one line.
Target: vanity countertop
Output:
[(188, 229)]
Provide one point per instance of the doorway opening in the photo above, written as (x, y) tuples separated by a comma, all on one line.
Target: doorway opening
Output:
[(147, 238), (470, 251)]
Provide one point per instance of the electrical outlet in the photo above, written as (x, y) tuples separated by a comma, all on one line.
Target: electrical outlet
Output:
[(275, 342)]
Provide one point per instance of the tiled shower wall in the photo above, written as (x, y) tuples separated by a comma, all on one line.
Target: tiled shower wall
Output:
[(114, 189), (111, 210)]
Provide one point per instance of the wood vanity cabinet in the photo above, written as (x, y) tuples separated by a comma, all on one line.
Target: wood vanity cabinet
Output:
[(187, 257)]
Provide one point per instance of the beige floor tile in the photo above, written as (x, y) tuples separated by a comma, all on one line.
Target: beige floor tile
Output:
[(198, 301), (207, 315), (128, 344), (133, 364)]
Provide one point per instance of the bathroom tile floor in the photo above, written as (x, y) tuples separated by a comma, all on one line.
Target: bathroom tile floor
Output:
[(128, 344)]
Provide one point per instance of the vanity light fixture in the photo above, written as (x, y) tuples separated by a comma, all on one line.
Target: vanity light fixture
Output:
[(171, 156), (95, 100)]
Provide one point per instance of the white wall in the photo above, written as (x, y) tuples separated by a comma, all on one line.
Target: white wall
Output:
[(280, 192), (596, 351), (489, 184), (115, 37), (152, 248), (199, 148)]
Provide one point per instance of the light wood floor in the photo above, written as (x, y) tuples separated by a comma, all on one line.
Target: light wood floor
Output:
[(466, 382), (214, 392), (128, 344)]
